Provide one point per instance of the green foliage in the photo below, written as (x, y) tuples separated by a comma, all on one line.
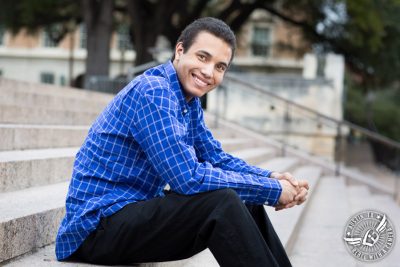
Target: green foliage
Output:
[(366, 32), (386, 113), (381, 113), (355, 105), (32, 15), (370, 40)]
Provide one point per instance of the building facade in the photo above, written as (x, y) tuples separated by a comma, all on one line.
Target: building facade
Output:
[(263, 46), (36, 58)]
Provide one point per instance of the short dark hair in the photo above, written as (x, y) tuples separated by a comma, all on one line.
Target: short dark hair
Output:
[(211, 25)]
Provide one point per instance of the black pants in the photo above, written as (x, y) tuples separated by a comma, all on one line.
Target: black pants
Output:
[(176, 227)]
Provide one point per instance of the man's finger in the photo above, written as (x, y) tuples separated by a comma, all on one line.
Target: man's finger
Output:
[(288, 176), (304, 183), (303, 193), (291, 204), (302, 201)]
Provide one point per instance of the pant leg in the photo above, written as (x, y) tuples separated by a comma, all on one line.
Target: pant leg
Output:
[(268, 232), (176, 227)]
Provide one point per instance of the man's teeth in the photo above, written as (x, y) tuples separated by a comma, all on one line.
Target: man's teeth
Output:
[(200, 82)]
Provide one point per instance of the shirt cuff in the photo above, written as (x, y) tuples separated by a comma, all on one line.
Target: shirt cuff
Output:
[(272, 192)]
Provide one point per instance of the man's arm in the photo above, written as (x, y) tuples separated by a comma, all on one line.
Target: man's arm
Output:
[(209, 149), (160, 134)]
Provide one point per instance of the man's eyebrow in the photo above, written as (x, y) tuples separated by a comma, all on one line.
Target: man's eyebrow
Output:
[(204, 52), (209, 55)]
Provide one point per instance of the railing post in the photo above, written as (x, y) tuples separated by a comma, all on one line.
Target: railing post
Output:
[(286, 130), (218, 105), (396, 193), (216, 118), (338, 149)]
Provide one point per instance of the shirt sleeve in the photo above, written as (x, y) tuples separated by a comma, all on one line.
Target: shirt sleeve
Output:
[(161, 136), (209, 149)]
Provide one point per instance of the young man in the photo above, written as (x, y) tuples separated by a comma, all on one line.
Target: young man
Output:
[(153, 134)]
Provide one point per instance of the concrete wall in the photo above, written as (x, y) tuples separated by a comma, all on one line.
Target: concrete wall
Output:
[(28, 64), (275, 118)]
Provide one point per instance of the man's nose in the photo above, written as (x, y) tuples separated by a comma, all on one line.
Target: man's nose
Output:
[(207, 70)]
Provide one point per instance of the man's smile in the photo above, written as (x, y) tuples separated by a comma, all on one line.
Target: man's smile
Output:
[(200, 82)]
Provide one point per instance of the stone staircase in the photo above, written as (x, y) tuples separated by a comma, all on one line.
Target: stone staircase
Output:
[(41, 128)]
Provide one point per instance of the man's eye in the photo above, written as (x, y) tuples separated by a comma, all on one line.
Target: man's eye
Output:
[(202, 57), (221, 68)]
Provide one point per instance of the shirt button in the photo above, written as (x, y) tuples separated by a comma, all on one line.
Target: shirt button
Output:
[(185, 111)]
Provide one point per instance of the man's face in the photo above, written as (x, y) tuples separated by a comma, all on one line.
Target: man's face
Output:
[(201, 68)]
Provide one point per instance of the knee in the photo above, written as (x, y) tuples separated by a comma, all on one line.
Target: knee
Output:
[(227, 196)]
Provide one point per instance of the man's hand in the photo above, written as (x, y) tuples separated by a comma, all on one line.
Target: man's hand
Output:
[(289, 193), (300, 186), (300, 197), (285, 176)]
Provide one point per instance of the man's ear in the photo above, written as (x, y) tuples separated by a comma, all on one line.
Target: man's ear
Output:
[(179, 50)]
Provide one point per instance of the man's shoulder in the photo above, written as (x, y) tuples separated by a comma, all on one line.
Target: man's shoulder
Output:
[(153, 79)]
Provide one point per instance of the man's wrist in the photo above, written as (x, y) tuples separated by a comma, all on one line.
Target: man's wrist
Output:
[(273, 174)]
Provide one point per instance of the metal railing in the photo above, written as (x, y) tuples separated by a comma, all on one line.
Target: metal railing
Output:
[(296, 125), (106, 84)]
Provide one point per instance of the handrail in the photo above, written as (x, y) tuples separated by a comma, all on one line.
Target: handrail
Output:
[(338, 124), (351, 125)]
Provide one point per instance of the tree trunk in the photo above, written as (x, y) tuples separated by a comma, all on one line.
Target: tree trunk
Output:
[(99, 25), (144, 29)]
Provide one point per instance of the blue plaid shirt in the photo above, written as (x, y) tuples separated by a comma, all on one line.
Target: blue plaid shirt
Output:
[(147, 137)]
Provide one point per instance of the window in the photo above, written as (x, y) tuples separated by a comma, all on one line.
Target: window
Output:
[(124, 40), (2, 30), (47, 77), (261, 42), (82, 36), (321, 62), (63, 81), (47, 40)]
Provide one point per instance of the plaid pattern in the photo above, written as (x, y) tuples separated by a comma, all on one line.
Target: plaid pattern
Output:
[(148, 137)]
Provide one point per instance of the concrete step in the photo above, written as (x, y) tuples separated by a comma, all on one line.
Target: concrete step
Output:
[(387, 205), (319, 241), (26, 168), (7, 85), (57, 102), (39, 115), (254, 155), (287, 222), (232, 144), (30, 218), (360, 198), (221, 132), (31, 136), (281, 164), (45, 257)]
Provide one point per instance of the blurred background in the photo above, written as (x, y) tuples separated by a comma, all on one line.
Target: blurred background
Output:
[(292, 47), (318, 76)]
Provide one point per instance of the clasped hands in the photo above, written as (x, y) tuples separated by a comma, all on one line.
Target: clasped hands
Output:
[(294, 192)]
